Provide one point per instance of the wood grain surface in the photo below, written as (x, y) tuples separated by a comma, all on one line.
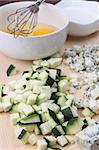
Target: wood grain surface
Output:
[(8, 140)]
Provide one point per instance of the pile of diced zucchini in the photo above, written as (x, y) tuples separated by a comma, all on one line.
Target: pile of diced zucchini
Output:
[(40, 105)]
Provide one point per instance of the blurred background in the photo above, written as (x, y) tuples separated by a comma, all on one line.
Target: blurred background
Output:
[(2, 2)]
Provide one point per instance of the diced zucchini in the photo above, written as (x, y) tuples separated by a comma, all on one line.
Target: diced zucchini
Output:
[(22, 84), (6, 106), (45, 106), (43, 76), (26, 109), (5, 90), (53, 115), (54, 88), (44, 63), (74, 125), (43, 116), (64, 125), (37, 67), (46, 58), (11, 70), (61, 101), (42, 144), (54, 96), (43, 97), (26, 71), (22, 115), (15, 108), (37, 62), (31, 99), (67, 113), (26, 95), (55, 132), (23, 135), (62, 140), (56, 108), (59, 72), (60, 118), (74, 111), (69, 103), (45, 128), (51, 140), (35, 75), (63, 86), (37, 129), (53, 73), (87, 112), (32, 119), (32, 139), (70, 138), (27, 76), (60, 129), (18, 98), (14, 118), (52, 123), (29, 128), (47, 91), (13, 84), (35, 82), (60, 94), (36, 108), (54, 62), (50, 81), (37, 89)]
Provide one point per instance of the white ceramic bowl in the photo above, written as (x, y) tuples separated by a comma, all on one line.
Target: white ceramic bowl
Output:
[(29, 48), (84, 21)]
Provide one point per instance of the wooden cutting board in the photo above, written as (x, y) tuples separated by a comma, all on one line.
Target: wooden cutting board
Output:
[(8, 140)]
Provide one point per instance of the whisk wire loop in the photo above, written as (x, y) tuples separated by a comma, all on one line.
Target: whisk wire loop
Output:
[(24, 20)]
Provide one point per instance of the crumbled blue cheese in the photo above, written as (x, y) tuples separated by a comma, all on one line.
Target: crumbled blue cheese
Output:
[(88, 139), (82, 58)]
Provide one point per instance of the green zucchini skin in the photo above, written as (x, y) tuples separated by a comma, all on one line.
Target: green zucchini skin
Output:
[(54, 96), (10, 69), (25, 72), (53, 115), (21, 135), (29, 120), (56, 132), (50, 81), (58, 72), (67, 113)]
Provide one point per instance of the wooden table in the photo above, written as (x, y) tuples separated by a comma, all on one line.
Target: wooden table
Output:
[(8, 140)]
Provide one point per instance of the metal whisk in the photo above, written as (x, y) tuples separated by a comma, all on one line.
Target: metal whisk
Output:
[(24, 20)]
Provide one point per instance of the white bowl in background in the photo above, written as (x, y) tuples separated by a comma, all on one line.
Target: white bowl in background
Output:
[(29, 48), (83, 16)]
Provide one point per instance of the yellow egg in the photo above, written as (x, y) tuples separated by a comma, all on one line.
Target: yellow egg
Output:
[(40, 29)]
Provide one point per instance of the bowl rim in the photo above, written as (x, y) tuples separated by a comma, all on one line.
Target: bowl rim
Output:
[(39, 36)]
